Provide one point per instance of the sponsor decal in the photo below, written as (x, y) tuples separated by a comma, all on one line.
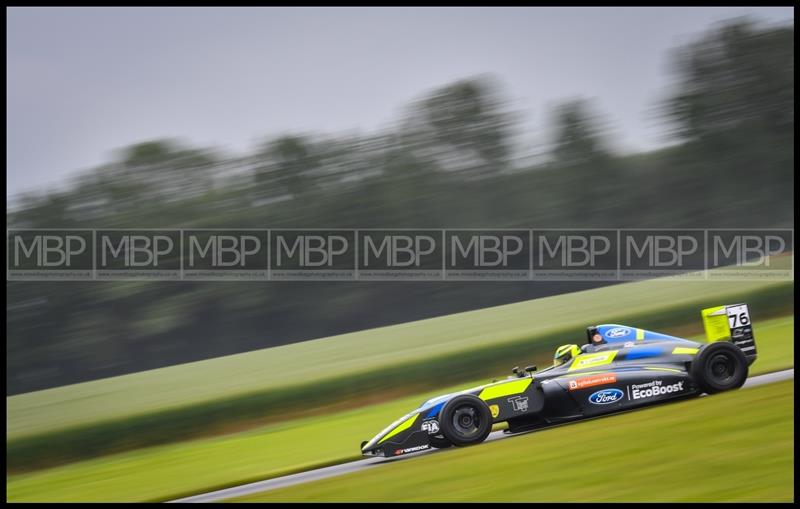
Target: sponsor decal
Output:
[(398, 452), (606, 396), (617, 332), (495, 409), (653, 389), (432, 427), (520, 403), (593, 359), (592, 381)]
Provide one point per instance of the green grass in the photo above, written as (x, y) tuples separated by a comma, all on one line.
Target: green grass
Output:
[(775, 343), (170, 471), (735, 446), (77, 422), (344, 355)]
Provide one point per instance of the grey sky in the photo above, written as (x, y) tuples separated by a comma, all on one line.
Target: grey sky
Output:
[(82, 82)]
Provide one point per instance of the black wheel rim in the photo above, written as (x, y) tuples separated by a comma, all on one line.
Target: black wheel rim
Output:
[(466, 421), (721, 368)]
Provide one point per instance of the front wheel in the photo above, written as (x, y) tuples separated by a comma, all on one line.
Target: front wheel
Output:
[(465, 420), (719, 367)]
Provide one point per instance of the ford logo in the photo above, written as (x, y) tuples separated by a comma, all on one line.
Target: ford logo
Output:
[(618, 332), (605, 396)]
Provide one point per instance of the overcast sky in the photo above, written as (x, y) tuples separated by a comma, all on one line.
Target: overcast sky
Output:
[(82, 82)]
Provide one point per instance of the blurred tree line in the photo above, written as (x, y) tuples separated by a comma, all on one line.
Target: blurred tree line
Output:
[(449, 162)]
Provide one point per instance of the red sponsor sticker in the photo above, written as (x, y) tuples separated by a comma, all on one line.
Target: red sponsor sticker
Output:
[(591, 381)]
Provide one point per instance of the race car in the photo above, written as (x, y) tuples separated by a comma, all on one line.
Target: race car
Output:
[(618, 368)]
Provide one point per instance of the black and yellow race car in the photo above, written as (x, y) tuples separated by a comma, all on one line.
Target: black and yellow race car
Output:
[(618, 368)]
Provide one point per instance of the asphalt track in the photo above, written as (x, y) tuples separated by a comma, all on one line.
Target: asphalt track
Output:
[(354, 466)]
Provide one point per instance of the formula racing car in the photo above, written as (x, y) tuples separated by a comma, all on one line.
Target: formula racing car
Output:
[(618, 368)]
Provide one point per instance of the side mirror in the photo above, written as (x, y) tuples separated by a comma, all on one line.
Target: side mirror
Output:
[(515, 370), (530, 369)]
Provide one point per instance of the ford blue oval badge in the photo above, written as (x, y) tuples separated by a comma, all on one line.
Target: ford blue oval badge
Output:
[(606, 396), (617, 332)]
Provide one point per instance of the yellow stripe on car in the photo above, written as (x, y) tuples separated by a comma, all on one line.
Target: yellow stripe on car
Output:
[(505, 388), (639, 334), (400, 428), (592, 360), (681, 350)]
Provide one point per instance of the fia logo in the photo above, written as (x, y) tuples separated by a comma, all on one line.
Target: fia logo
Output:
[(432, 427)]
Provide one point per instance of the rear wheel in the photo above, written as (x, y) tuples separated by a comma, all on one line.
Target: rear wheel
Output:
[(719, 367), (465, 420)]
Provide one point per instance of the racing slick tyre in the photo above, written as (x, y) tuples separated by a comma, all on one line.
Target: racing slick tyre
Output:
[(719, 367), (465, 420), (439, 442)]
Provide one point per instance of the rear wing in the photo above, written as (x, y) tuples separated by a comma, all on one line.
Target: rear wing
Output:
[(731, 323)]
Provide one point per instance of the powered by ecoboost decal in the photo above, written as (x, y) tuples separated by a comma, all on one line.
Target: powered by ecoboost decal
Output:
[(653, 389)]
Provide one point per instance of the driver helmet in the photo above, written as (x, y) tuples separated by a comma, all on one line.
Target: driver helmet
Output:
[(564, 353)]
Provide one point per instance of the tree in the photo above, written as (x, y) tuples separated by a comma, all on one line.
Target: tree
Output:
[(162, 169), (578, 134), (734, 104), (589, 170), (287, 161), (466, 128), (738, 78)]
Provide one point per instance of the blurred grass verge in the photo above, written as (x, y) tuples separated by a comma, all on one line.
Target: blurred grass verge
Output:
[(81, 421), (691, 451), (171, 471)]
